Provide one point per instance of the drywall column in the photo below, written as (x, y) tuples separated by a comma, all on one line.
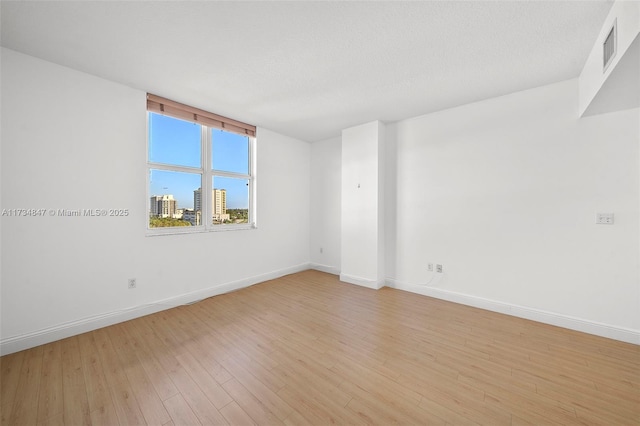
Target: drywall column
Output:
[(362, 247)]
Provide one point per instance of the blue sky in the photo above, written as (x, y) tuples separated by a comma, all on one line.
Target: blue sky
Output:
[(173, 141)]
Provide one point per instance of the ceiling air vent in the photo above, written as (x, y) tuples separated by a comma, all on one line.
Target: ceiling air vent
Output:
[(609, 47)]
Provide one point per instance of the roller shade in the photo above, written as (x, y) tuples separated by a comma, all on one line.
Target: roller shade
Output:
[(174, 109)]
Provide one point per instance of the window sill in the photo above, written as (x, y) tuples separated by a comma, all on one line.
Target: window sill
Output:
[(198, 229)]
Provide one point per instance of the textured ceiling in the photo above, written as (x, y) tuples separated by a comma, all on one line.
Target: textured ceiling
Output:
[(310, 69)]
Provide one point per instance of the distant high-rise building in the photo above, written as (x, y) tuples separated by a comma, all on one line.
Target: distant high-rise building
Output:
[(218, 203), (197, 200), (163, 205), (219, 197)]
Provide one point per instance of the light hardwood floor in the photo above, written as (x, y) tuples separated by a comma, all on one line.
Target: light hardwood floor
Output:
[(307, 349)]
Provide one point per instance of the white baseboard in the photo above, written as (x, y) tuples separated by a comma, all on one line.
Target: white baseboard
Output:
[(565, 321), (325, 268), (73, 328), (351, 279)]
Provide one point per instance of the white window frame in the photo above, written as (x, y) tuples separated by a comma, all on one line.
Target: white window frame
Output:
[(207, 173)]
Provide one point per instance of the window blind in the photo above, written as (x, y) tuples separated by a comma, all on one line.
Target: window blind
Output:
[(174, 109)]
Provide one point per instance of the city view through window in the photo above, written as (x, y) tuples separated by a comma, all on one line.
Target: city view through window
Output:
[(177, 171)]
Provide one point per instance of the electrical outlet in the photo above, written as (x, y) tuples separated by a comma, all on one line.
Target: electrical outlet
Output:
[(430, 267), (321, 250), (439, 268), (132, 283), (604, 218)]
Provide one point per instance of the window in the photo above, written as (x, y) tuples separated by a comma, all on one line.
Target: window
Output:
[(201, 170)]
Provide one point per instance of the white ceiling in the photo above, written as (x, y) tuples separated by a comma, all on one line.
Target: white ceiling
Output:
[(311, 69)]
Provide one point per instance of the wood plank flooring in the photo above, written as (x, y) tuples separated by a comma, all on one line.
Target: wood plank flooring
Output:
[(306, 349)]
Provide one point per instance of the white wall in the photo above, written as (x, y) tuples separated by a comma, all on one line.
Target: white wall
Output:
[(326, 178), (71, 140), (504, 194)]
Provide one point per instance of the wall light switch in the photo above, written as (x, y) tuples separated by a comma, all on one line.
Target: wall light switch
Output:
[(604, 218)]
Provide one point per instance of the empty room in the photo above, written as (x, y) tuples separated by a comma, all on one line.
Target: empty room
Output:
[(320, 212)]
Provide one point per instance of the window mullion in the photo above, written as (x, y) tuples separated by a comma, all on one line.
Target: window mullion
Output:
[(173, 168), (207, 213), (221, 173)]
